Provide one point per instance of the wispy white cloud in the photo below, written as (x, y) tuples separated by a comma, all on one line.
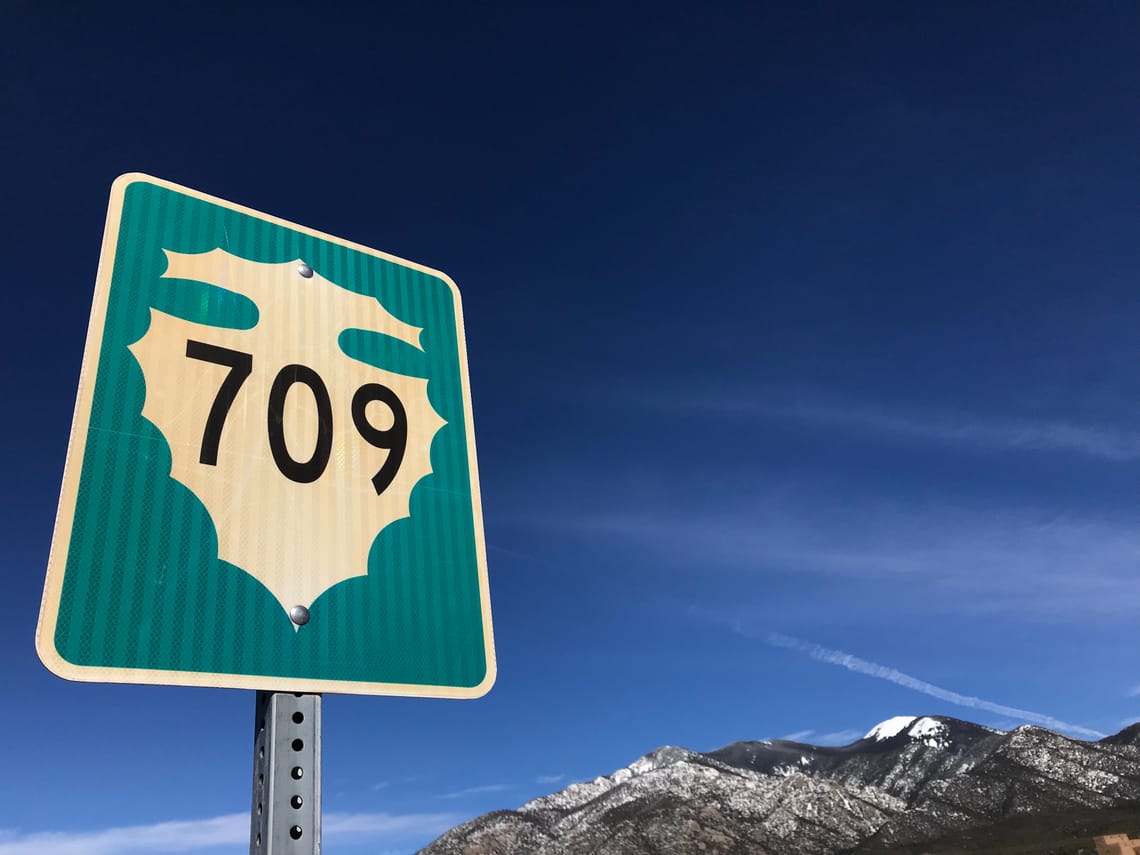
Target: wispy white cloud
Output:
[(338, 825), (798, 736), (470, 791), (1042, 563), (938, 559), (549, 779), (231, 831), (174, 836), (839, 737), (1001, 723), (961, 429), (892, 675)]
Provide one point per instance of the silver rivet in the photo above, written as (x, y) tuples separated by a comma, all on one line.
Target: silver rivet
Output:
[(299, 615), (305, 270)]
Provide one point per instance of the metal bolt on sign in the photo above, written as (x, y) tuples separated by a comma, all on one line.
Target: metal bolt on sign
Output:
[(285, 816)]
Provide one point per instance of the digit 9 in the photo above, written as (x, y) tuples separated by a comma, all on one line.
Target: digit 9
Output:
[(395, 438)]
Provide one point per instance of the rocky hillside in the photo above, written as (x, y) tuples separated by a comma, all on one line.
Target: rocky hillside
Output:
[(908, 784)]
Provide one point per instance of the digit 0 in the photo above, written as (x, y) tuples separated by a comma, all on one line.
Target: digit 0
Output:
[(310, 470)]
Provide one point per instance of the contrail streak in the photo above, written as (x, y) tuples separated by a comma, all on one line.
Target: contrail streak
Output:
[(892, 675)]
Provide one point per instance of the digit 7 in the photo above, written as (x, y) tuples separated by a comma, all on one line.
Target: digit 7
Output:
[(240, 365)]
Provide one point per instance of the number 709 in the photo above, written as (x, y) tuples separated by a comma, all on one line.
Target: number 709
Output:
[(394, 438)]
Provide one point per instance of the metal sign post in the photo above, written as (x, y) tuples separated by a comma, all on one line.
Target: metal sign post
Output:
[(330, 538), (285, 814)]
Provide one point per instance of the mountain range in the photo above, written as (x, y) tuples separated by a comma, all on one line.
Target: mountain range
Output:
[(929, 784)]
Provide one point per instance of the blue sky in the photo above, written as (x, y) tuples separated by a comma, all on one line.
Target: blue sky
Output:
[(803, 356)]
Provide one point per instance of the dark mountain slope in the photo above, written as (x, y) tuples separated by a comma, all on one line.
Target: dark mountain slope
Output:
[(907, 785)]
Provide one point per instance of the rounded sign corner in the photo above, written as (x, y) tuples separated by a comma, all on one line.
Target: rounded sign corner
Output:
[(54, 662), (122, 182), (451, 286), (487, 683)]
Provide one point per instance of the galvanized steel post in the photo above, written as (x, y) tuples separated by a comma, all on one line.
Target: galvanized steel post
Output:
[(285, 814)]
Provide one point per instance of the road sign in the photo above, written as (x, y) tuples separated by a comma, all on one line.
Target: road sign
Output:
[(271, 479)]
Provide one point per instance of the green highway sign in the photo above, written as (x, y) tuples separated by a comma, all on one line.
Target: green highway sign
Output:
[(271, 480)]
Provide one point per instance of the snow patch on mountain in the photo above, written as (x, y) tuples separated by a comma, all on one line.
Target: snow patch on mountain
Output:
[(659, 758), (929, 731), (575, 796), (890, 727), (933, 733)]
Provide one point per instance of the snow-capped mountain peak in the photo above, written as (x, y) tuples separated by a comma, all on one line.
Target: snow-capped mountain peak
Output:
[(659, 758), (930, 731), (891, 727)]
